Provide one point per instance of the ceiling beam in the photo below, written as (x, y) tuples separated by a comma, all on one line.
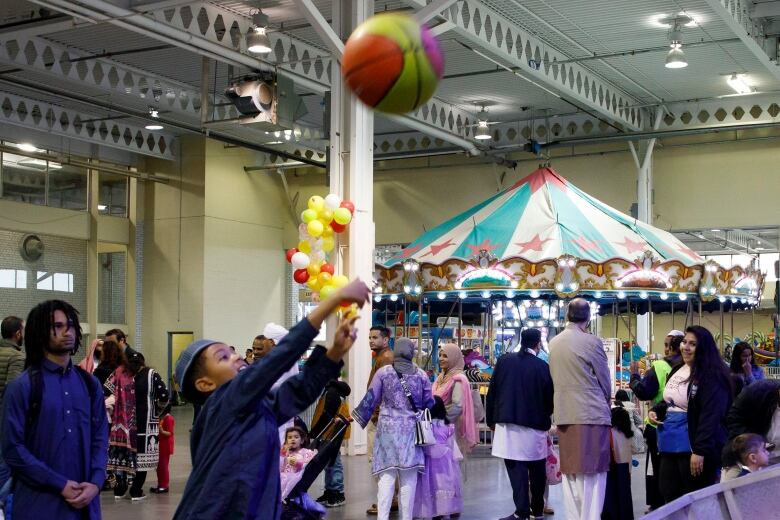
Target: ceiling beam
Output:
[(321, 26), (765, 9), (499, 39), (53, 119), (736, 14), (432, 10)]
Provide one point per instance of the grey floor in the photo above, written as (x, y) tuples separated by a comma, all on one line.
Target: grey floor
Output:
[(486, 490)]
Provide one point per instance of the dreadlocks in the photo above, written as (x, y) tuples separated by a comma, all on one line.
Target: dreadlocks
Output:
[(39, 326)]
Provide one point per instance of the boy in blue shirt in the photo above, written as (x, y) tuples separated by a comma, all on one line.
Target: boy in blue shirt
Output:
[(234, 442)]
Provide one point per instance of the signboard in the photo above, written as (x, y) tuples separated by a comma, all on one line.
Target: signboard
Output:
[(611, 346)]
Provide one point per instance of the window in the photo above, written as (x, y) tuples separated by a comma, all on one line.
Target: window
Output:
[(60, 282), (112, 276), (13, 279), (67, 187), (23, 179), (112, 199)]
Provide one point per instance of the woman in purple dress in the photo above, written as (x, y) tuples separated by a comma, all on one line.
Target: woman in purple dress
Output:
[(438, 487), (395, 453)]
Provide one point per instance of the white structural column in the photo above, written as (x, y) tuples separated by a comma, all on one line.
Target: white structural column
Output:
[(643, 159), (351, 173)]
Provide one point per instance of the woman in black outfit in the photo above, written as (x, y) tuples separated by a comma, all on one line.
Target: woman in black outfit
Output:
[(111, 357), (704, 380)]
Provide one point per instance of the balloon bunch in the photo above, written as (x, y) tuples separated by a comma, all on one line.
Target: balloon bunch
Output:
[(322, 219)]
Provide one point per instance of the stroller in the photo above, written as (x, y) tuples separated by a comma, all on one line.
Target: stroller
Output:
[(298, 505)]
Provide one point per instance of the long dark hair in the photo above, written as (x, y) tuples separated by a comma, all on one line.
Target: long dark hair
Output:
[(736, 356), (39, 327), (135, 362), (113, 356), (621, 421), (707, 363)]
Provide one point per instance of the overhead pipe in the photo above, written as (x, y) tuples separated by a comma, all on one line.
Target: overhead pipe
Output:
[(435, 132)]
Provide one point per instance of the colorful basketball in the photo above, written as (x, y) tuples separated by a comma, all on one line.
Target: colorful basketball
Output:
[(392, 63)]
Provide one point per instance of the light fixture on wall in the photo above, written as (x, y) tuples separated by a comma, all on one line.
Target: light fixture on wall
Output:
[(675, 59), (152, 125), (739, 83), (257, 41), (27, 147)]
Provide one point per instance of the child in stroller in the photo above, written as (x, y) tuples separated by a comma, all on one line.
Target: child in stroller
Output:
[(298, 505)]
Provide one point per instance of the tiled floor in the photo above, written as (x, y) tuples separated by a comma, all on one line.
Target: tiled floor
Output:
[(486, 491)]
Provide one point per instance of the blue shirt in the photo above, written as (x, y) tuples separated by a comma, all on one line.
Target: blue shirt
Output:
[(235, 439), (70, 442)]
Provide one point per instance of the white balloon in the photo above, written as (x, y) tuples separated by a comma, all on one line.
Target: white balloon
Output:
[(332, 201), (300, 260)]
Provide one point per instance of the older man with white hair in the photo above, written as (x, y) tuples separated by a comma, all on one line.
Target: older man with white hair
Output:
[(582, 382)]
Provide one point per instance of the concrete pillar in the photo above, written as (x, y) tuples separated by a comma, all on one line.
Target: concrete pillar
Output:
[(351, 175)]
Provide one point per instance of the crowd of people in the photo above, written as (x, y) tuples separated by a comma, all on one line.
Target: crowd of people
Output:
[(69, 430)]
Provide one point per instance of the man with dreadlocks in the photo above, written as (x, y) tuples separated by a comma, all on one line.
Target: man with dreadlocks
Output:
[(54, 422)]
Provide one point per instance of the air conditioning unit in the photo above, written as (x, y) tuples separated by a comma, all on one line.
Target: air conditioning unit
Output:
[(267, 102)]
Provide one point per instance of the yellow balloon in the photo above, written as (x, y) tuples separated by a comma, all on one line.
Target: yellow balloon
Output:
[(339, 281), (328, 232), (304, 246), (326, 291), (314, 270), (316, 203), (313, 284), (327, 243), (315, 228), (324, 278), (325, 215), (308, 215), (342, 216)]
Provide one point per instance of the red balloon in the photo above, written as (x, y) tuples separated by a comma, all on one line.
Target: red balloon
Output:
[(289, 253), (301, 276), (338, 228), (327, 268), (349, 205)]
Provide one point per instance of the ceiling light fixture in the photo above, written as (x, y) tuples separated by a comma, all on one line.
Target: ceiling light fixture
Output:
[(739, 84), (257, 41), (676, 57), (153, 113), (27, 147), (483, 132)]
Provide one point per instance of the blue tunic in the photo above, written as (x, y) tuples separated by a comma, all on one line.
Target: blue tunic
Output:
[(70, 442), (235, 439)]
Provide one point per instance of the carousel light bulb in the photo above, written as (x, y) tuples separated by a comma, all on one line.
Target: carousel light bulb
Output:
[(458, 285), (529, 323), (598, 294), (417, 289), (621, 294), (407, 267), (441, 295), (393, 297), (572, 262), (743, 301), (462, 295), (664, 296), (415, 267), (534, 294), (559, 287), (643, 295), (683, 297), (573, 286), (407, 289), (733, 300), (486, 294), (377, 299), (722, 299), (514, 284), (540, 323)]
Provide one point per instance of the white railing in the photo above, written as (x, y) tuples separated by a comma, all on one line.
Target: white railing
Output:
[(485, 435), (772, 372)]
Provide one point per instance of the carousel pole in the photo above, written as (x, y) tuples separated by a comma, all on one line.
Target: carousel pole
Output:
[(503, 321), (406, 316), (419, 331), (731, 314), (721, 327), (672, 315), (615, 318), (460, 322), (699, 312)]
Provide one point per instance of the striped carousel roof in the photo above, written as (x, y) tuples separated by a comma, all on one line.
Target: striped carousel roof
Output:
[(542, 217)]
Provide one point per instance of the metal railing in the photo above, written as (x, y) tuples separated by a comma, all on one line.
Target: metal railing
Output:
[(485, 435), (772, 372)]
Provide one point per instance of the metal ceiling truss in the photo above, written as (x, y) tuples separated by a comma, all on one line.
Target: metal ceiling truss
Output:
[(736, 14), (535, 62), (728, 111), (53, 119)]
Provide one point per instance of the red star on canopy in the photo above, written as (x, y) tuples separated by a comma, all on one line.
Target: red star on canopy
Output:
[(632, 246), (438, 248), (485, 245), (535, 244), (586, 245), (407, 252)]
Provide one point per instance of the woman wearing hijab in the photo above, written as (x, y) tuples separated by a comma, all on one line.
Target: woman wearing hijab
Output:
[(453, 387), (400, 390)]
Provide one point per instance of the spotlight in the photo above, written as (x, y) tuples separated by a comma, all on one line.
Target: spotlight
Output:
[(257, 41), (483, 132), (676, 58), (153, 113)]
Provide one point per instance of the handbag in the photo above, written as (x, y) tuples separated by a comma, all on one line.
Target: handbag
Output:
[(423, 432), (552, 464), (673, 434)]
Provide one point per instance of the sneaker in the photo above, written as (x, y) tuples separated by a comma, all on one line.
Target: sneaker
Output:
[(336, 500), (158, 490), (138, 498), (325, 497), (372, 510)]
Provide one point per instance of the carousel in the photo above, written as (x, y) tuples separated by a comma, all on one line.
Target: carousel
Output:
[(513, 260)]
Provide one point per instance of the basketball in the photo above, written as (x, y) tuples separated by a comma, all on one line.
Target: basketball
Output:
[(392, 63)]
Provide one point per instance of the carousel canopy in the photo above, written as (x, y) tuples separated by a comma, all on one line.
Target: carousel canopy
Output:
[(543, 217), (545, 236)]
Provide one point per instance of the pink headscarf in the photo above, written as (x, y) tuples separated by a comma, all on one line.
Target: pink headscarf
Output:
[(88, 363), (466, 426)]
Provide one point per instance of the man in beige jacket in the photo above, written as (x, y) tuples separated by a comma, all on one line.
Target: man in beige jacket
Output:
[(581, 377)]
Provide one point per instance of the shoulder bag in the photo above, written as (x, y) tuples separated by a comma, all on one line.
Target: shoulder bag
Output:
[(423, 425)]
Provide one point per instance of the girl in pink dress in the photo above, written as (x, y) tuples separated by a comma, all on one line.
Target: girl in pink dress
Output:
[(293, 459), (438, 487)]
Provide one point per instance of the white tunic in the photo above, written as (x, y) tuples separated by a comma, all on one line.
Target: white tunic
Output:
[(515, 442)]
